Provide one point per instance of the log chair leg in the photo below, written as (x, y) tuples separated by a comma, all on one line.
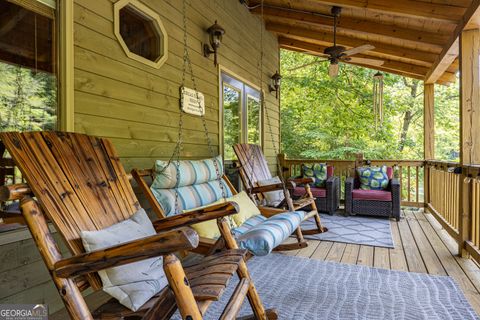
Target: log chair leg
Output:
[(318, 222), (71, 295), (181, 287), (252, 295)]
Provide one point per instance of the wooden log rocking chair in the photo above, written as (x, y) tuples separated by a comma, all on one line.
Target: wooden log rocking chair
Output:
[(80, 184), (253, 168)]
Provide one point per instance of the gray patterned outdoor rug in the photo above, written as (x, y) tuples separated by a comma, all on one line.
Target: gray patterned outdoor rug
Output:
[(301, 288), (372, 231)]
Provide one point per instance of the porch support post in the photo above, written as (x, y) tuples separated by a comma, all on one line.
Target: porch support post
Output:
[(66, 70), (429, 121), (469, 122), (429, 134)]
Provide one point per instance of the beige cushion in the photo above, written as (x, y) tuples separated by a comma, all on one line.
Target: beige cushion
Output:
[(246, 207), (135, 283), (273, 198)]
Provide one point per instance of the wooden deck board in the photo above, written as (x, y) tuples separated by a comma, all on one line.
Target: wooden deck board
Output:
[(398, 261), (421, 245), (350, 255), (432, 263)]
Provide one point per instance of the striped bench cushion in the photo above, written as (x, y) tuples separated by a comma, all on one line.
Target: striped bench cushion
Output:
[(192, 172), (248, 224), (190, 197), (263, 237), (197, 184)]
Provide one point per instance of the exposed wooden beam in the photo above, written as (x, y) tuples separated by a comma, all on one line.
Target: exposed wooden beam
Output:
[(390, 50), (443, 12), (450, 51), (358, 25)]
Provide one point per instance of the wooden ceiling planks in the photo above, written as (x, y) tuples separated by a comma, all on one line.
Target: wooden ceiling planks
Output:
[(413, 37)]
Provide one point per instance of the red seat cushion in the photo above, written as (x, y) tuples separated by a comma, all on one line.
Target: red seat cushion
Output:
[(316, 192), (375, 195)]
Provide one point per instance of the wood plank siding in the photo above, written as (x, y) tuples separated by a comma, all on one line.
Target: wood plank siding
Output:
[(138, 106)]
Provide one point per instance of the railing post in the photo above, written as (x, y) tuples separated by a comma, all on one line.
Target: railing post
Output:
[(426, 184), (464, 225)]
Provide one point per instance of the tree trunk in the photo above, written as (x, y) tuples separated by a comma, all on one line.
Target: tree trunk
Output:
[(408, 116)]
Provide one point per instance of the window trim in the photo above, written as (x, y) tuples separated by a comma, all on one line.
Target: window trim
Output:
[(150, 14)]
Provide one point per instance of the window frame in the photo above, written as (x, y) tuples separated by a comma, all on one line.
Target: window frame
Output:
[(157, 22)]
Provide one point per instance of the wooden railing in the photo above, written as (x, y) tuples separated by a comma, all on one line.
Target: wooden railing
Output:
[(409, 172), (444, 194), (469, 221)]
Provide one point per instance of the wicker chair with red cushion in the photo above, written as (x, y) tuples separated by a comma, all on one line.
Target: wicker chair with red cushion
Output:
[(327, 198), (373, 202)]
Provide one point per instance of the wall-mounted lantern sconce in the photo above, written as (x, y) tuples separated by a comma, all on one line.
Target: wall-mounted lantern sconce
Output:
[(276, 80), (215, 33)]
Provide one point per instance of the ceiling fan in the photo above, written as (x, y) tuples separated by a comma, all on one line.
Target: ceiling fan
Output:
[(336, 54)]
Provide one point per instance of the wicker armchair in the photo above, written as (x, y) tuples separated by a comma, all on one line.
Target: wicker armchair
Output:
[(327, 199), (373, 202)]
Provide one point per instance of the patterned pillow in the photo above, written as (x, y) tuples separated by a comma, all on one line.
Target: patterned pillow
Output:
[(317, 171), (373, 178)]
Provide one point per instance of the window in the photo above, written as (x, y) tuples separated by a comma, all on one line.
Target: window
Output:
[(140, 33), (28, 78), (28, 82), (241, 113)]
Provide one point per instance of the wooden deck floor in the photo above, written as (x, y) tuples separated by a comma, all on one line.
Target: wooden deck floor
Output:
[(421, 245)]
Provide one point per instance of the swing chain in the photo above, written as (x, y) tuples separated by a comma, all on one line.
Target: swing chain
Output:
[(187, 61), (178, 146)]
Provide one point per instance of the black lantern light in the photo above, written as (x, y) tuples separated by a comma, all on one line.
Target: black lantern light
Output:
[(215, 33), (276, 81)]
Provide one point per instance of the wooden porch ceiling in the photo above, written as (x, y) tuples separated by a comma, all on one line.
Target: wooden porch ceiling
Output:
[(415, 38)]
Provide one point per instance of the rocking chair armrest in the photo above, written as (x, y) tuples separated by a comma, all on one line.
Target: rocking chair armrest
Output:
[(273, 187), (302, 180), (141, 249), (200, 215), (269, 211)]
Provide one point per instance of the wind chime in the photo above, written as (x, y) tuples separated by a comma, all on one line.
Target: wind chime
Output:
[(378, 99)]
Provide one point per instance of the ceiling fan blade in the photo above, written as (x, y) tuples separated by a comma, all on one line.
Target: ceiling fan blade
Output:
[(318, 54), (370, 62), (365, 47), (306, 65)]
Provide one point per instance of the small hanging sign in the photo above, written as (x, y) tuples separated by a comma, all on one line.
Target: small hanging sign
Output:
[(192, 102)]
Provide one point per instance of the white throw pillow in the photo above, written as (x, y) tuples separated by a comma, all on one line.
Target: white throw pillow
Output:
[(135, 283), (273, 198)]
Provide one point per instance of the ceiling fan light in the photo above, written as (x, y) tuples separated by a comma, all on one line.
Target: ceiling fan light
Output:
[(333, 70)]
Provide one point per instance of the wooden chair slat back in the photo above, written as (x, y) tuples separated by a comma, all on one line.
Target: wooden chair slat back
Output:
[(254, 166), (78, 180)]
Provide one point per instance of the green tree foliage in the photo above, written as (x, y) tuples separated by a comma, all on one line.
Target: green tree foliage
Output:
[(231, 116), (28, 100), (334, 118)]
